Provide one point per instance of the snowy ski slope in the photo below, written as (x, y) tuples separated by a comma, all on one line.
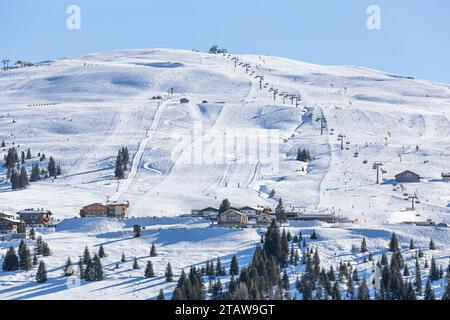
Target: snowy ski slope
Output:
[(104, 102), (82, 110)]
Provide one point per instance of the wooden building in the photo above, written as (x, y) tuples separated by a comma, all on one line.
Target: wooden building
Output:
[(36, 217), (407, 177), (328, 218), (250, 211), (10, 223), (264, 220), (118, 209), (445, 176), (94, 210), (232, 218)]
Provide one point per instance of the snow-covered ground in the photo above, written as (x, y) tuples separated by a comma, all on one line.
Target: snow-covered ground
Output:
[(82, 110)]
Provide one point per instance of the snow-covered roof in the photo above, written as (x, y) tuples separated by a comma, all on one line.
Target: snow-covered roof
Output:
[(118, 203), (33, 211)]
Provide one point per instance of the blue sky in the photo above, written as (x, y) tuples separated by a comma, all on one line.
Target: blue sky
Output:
[(414, 39)]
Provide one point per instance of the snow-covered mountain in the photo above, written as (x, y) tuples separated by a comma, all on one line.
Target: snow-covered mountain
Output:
[(82, 110)]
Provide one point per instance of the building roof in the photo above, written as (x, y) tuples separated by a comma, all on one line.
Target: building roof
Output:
[(407, 172), (34, 211), (118, 203), (233, 211), (10, 219), (209, 209), (249, 208)]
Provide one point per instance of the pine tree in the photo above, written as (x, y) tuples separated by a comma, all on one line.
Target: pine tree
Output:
[(446, 295), (168, 274), (285, 281), (32, 234), (123, 259), (35, 173), (234, 268), (161, 296), (25, 260), (46, 252), (219, 272), (35, 260), (81, 269), (119, 172), (137, 231), (363, 292), (153, 251), (177, 295), (135, 264), (41, 274), (393, 244), (11, 261), (68, 270), (51, 168), (101, 252), (350, 288), (429, 292), (280, 212), (224, 206), (38, 245), (86, 256), (313, 235), (336, 291), (363, 246), (97, 267), (432, 245), (28, 154), (149, 273), (406, 271), (412, 245), (434, 271)]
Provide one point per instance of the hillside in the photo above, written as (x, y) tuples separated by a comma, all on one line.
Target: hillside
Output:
[(232, 140), (82, 110)]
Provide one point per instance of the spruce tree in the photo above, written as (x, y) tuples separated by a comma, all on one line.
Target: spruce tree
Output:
[(336, 291), (153, 251), (168, 274), (161, 296), (393, 244), (41, 274), (280, 212), (86, 258), (363, 246), (135, 264), (434, 271), (446, 295), (363, 292), (32, 234), (137, 231), (149, 273), (234, 268), (432, 245), (35, 260), (101, 252), (11, 261), (313, 235), (123, 259), (412, 245), (429, 292), (224, 206), (98, 269), (51, 168), (46, 252), (68, 269)]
